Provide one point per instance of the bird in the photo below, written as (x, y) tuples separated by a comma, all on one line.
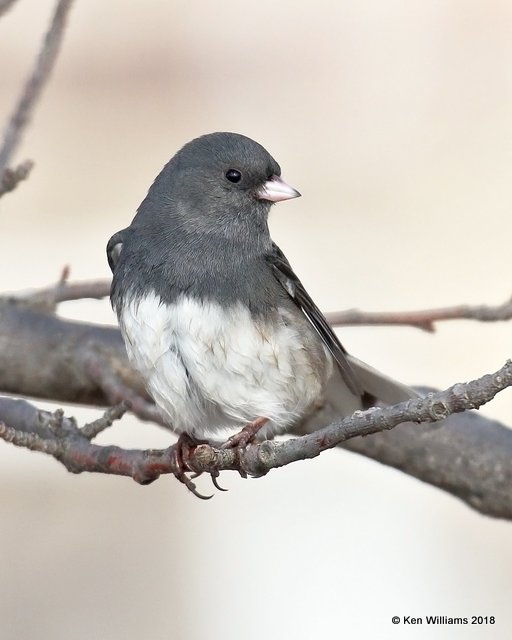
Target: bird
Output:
[(215, 320)]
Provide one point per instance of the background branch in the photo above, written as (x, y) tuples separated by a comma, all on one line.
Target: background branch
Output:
[(12, 177), (422, 319), (5, 5), (64, 291), (35, 83), (44, 356), (467, 455)]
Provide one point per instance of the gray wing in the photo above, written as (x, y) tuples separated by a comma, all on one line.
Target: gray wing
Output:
[(293, 286)]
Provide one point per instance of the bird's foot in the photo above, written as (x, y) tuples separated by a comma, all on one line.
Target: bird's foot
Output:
[(180, 458), (240, 440)]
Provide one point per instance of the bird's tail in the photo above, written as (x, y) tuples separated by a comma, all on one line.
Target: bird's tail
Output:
[(340, 402), (380, 387)]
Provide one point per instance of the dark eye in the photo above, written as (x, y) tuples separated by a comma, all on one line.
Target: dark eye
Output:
[(233, 175)]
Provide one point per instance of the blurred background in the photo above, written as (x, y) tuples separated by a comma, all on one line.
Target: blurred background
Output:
[(393, 119)]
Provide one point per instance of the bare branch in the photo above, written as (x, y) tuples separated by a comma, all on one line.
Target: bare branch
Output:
[(12, 177), (52, 433), (71, 446), (423, 319), (42, 355), (47, 298), (92, 429), (118, 391), (64, 291), (432, 408), (32, 89), (5, 5), (95, 289), (467, 455)]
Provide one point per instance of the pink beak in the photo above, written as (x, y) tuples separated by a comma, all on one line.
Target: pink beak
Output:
[(276, 190)]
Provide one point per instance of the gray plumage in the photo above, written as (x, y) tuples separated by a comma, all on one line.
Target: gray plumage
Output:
[(195, 232), (212, 314)]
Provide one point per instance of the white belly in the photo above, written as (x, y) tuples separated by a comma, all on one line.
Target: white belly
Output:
[(209, 368)]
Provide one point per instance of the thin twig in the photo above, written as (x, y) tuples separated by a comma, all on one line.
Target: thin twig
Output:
[(5, 5), (96, 289), (47, 298), (423, 319), (117, 391), (12, 177), (35, 83), (92, 429), (65, 291), (31, 441)]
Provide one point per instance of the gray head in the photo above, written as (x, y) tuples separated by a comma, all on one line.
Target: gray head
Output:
[(218, 183), (203, 221)]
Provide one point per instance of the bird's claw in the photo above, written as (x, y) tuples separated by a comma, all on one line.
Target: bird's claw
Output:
[(179, 458), (214, 475), (181, 453)]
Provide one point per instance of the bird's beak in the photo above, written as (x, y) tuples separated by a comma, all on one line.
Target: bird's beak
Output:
[(275, 189)]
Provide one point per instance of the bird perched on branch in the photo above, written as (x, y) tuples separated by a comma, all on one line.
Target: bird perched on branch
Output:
[(213, 316)]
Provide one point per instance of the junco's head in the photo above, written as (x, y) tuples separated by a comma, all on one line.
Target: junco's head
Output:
[(217, 177)]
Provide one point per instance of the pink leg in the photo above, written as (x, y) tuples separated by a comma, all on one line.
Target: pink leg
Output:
[(240, 440), (246, 435)]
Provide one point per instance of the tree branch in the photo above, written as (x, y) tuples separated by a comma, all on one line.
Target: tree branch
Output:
[(42, 355), (118, 391), (12, 177), (467, 455), (35, 83), (63, 291), (5, 5), (423, 319), (470, 457)]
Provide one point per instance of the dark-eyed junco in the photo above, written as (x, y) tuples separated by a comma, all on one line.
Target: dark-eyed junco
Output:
[(213, 316)]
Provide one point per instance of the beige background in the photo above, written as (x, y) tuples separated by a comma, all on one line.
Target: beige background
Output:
[(393, 118)]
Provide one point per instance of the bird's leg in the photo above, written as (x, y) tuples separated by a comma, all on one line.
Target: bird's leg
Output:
[(244, 437), (180, 457)]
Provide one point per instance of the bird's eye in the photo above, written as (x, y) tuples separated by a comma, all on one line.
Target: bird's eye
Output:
[(233, 175)]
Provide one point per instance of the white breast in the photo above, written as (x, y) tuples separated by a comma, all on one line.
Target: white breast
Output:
[(210, 367)]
